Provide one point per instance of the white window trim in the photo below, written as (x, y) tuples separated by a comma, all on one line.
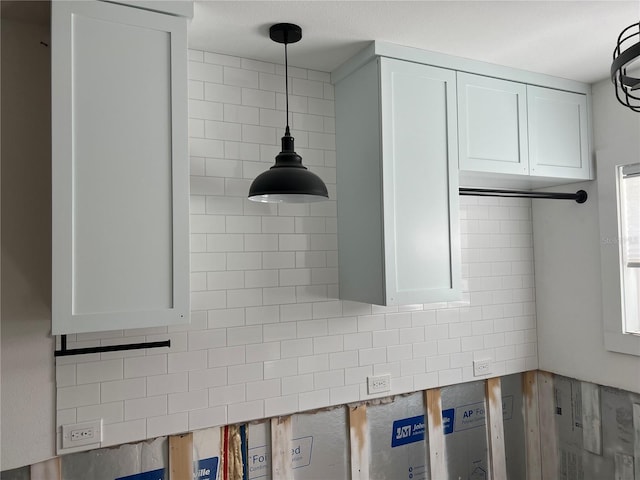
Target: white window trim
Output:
[(615, 338)]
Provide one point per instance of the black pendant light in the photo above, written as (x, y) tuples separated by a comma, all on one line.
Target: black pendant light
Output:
[(627, 51), (288, 180)]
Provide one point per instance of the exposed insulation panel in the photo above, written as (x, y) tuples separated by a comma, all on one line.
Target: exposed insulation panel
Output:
[(21, 473), (398, 439), (513, 421), (576, 430), (258, 463), (320, 446), (206, 453), (463, 412), (126, 462)]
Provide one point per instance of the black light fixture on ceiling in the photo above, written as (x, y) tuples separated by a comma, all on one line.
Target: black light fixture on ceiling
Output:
[(288, 180), (627, 51)]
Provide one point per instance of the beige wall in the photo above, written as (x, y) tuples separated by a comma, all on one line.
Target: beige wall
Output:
[(27, 373)]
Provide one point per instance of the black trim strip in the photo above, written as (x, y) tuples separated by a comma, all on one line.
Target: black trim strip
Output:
[(65, 352)]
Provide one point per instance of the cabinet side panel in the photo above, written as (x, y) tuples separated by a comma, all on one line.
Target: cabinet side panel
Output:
[(418, 106), (359, 186)]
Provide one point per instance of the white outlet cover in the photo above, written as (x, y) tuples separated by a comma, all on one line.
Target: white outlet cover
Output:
[(482, 367), (378, 384), (90, 433)]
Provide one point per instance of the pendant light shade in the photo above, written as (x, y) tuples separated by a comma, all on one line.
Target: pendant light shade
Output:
[(627, 52), (288, 180)]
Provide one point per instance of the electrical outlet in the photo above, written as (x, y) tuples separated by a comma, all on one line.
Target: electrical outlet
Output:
[(79, 434), (482, 367), (378, 384)]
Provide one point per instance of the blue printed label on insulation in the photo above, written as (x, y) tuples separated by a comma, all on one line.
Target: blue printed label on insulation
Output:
[(448, 419), (154, 475), (473, 415), (407, 430), (207, 469)]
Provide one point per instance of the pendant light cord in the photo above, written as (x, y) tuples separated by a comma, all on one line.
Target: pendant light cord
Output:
[(286, 83)]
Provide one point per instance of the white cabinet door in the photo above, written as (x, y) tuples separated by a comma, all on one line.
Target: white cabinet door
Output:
[(492, 125), (119, 168), (398, 234), (420, 183), (558, 134)]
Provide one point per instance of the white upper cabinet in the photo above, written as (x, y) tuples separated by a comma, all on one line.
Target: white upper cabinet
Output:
[(119, 168), (513, 134), (492, 121), (558, 134), (396, 142)]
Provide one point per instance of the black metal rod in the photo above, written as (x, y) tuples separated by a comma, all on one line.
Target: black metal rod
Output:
[(580, 196), (65, 352)]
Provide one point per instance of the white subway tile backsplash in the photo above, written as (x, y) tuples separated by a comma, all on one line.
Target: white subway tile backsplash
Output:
[(261, 242), (207, 417), (313, 400), (205, 71), (65, 375), (183, 402), (227, 395), (297, 384), (204, 110), (124, 432), (214, 92), (145, 366), (268, 334), (192, 360), (122, 390), (280, 331), (240, 412), (358, 341), (244, 261), (280, 368), (261, 352), (245, 224), (240, 77), (244, 335), (329, 379), (109, 413), (93, 372), (313, 363), (279, 295), (258, 98), (260, 278), (263, 389), (76, 396), (145, 407), (171, 383), (372, 356), (211, 377), (199, 340), (167, 424), (224, 280), (216, 205), (208, 300)]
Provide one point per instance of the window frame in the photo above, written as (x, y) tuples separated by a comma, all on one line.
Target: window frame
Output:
[(629, 267), (616, 338)]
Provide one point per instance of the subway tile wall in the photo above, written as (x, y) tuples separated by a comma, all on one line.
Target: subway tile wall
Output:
[(268, 335)]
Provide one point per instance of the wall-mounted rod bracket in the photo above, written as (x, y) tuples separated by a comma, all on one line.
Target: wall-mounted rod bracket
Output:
[(65, 352), (580, 196)]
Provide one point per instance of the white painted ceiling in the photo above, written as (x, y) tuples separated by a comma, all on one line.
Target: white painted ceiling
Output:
[(570, 39)]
